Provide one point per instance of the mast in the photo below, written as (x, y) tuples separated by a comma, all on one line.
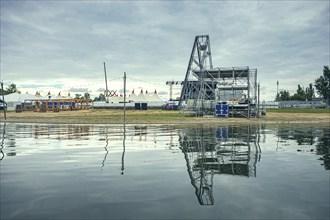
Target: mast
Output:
[(106, 84)]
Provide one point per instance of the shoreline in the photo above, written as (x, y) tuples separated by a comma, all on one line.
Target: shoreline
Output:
[(112, 117)]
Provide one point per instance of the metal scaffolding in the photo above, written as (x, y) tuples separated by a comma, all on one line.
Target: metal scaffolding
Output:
[(205, 86)]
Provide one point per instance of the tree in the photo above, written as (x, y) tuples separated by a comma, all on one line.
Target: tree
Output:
[(309, 92), (87, 95), (322, 84), (78, 96), (101, 97), (11, 88), (284, 95), (299, 95)]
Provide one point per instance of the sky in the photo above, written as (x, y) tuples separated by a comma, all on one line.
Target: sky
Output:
[(60, 46)]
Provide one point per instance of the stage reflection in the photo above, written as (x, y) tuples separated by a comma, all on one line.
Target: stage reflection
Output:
[(210, 151)]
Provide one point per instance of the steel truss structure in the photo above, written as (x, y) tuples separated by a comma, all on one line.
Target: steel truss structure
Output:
[(204, 85), (219, 151)]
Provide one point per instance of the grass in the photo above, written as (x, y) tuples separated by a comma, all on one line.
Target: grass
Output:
[(115, 116), (300, 110)]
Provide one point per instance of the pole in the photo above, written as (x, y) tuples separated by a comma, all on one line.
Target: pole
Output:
[(3, 99), (123, 154), (124, 98), (106, 84)]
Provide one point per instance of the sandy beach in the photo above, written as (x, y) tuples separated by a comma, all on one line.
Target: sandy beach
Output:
[(98, 116)]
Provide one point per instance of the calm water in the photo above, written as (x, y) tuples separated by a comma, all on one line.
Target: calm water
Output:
[(164, 172)]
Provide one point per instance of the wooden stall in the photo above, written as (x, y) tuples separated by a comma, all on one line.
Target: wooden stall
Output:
[(56, 105)]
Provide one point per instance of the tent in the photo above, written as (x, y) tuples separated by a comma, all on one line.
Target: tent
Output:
[(155, 97), (141, 98), (59, 96), (132, 97), (14, 99), (69, 96)]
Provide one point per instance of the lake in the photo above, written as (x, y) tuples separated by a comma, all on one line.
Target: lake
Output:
[(59, 171)]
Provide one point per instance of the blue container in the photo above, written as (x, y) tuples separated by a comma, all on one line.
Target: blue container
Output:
[(222, 110)]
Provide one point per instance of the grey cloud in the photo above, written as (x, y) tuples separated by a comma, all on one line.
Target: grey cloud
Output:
[(153, 40)]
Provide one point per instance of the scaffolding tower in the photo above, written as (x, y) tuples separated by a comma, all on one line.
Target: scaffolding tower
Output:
[(204, 86)]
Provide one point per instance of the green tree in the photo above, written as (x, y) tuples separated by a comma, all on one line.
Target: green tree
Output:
[(309, 91), (78, 96), (284, 95), (322, 84), (299, 95), (11, 88), (87, 95), (101, 97)]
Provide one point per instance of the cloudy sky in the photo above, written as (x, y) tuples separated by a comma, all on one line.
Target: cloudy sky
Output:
[(61, 45)]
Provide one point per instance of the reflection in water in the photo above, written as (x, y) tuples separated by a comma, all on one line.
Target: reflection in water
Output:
[(3, 133), (323, 149), (224, 150), (59, 169), (106, 147), (306, 137), (123, 154)]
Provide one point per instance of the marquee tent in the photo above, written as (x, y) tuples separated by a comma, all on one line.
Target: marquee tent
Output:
[(14, 99)]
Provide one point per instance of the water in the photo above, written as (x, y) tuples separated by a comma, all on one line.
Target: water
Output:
[(164, 172)]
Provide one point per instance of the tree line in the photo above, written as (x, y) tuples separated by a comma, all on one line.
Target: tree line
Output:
[(322, 85), (12, 89), (300, 95)]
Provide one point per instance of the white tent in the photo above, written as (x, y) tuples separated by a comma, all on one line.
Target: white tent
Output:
[(59, 96), (14, 99), (114, 99), (69, 96), (121, 98), (148, 96), (48, 96), (141, 98), (155, 98), (132, 97), (37, 94)]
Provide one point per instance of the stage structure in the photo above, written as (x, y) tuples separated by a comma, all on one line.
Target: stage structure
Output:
[(219, 151), (206, 86)]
